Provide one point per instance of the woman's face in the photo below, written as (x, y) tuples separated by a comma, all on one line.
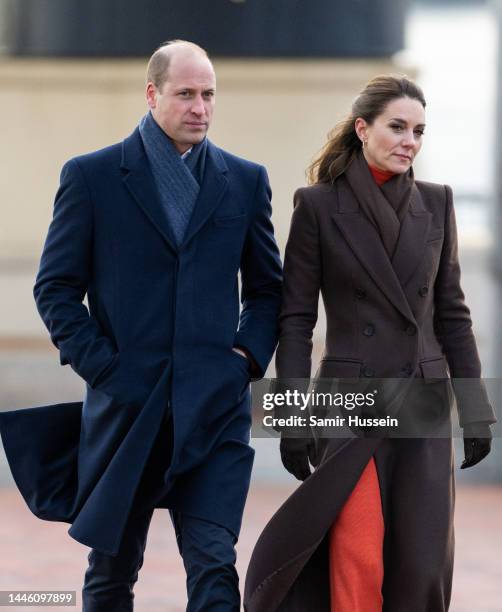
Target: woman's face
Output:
[(394, 138)]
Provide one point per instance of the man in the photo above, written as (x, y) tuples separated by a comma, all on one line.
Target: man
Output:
[(154, 230)]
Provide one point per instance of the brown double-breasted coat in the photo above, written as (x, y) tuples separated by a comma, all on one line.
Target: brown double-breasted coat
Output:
[(398, 318)]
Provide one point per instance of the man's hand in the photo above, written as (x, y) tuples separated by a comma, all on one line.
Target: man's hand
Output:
[(127, 380), (253, 366), (477, 443), (295, 455), (239, 351)]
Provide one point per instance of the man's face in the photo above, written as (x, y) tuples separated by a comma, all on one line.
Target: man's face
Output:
[(183, 106)]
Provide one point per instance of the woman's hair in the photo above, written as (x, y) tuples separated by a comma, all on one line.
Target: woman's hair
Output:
[(343, 142)]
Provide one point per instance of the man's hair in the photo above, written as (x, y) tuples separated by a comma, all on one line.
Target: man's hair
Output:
[(158, 65)]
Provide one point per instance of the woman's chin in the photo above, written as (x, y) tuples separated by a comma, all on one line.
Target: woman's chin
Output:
[(399, 167)]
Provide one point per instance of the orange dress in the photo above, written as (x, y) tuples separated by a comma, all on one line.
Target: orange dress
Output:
[(356, 548), (356, 538)]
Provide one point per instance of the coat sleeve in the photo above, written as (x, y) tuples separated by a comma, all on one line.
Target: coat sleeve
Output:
[(300, 298), (453, 326), (261, 275), (63, 279)]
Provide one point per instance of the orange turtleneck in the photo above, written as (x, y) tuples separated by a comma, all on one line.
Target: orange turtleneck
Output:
[(380, 176)]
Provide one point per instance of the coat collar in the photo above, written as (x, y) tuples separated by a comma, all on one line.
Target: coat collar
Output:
[(213, 188), (367, 245), (139, 180)]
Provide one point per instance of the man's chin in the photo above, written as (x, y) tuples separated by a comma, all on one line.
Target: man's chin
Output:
[(195, 137), (183, 145)]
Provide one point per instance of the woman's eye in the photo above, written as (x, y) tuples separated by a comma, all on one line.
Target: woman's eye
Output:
[(396, 127), (419, 132)]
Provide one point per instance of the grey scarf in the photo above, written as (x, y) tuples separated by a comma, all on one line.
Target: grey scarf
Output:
[(177, 180)]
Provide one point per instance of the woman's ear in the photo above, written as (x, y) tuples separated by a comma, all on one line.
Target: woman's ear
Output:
[(360, 127)]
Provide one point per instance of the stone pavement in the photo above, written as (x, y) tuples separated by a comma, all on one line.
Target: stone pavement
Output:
[(40, 555)]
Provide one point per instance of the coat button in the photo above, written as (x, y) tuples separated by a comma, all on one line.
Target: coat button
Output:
[(368, 372), (360, 293), (423, 291), (369, 330), (411, 330), (407, 369)]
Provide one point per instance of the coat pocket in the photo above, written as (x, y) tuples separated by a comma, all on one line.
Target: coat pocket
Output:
[(130, 378), (241, 361), (331, 367), (435, 234), (427, 408), (434, 370), (230, 221)]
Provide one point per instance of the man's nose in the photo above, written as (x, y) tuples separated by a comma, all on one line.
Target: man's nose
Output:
[(198, 106)]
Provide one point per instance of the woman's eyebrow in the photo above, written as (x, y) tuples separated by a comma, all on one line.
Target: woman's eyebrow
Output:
[(404, 122)]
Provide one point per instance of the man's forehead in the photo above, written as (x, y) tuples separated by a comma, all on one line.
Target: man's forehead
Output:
[(190, 65)]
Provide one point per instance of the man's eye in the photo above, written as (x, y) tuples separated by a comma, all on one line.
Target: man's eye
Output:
[(209, 94), (184, 94)]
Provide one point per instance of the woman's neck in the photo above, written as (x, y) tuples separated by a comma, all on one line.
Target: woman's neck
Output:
[(380, 176)]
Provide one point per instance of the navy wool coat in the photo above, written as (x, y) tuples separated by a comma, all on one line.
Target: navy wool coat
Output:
[(157, 335)]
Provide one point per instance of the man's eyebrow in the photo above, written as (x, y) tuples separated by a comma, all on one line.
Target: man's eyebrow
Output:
[(191, 89)]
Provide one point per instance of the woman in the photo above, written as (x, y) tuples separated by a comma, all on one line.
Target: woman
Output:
[(372, 528)]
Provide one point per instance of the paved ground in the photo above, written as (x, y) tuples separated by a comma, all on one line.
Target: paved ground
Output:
[(40, 555)]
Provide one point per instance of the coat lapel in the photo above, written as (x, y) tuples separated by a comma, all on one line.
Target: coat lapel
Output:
[(139, 180), (214, 186), (412, 238), (364, 240)]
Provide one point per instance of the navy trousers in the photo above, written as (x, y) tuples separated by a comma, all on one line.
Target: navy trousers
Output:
[(208, 556), (207, 549)]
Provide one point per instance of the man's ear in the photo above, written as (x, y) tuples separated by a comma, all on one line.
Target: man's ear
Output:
[(151, 95)]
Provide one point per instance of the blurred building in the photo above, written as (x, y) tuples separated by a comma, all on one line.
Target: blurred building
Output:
[(227, 28), (72, 80)]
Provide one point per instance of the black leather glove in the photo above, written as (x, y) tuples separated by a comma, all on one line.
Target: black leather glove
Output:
[(477, 443), (295, 456)]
